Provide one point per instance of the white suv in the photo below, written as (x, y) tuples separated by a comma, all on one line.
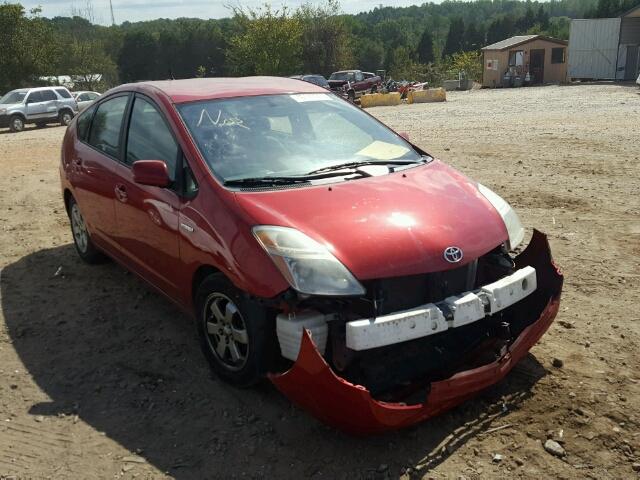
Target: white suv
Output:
[(36, 105)]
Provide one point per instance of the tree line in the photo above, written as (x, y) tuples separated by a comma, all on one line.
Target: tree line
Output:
[(427, 42)]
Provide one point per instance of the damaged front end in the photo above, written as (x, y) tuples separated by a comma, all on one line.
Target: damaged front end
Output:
[(373, 380)]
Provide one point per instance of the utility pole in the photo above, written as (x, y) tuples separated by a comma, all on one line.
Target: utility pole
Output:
[(113, 20)]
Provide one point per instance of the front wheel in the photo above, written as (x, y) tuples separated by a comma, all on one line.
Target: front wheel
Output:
[(16, 123), (351, 96), (81, 238), (237, 335)]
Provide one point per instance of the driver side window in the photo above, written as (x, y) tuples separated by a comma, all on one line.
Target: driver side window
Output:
[(105, 128), (359, 77), (149, 137)]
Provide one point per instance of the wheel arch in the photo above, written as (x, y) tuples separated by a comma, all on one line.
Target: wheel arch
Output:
[(202, 272), (18, 114), (67, 195)]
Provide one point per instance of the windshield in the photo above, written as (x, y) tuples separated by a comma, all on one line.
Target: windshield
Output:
[(277, 135), (346, 76), (13, 97)]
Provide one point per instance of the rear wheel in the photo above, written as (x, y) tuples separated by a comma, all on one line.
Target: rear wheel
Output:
[(81, 238), (16, 123), (65, 118), (237, 335)]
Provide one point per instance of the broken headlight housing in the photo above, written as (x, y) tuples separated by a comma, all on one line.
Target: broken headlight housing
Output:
[(508, 214), (307, 265)]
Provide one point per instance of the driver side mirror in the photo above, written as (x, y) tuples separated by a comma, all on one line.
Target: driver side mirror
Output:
[(151, 172)]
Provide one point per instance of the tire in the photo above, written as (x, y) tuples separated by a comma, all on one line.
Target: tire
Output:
[(374, 89), (65, 118), (239, 342), (16, 123), (351, 96), (81, 238)]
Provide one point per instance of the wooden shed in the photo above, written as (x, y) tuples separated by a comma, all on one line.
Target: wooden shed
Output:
[(543, 58)]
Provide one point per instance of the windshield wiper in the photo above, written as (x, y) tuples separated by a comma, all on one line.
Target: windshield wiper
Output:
[(363, 163), (261, 181)]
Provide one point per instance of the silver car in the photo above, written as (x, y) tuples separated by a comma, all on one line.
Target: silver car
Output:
[(84, 99), (41, 106)]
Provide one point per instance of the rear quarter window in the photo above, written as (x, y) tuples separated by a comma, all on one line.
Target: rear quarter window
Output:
[(83, 123)]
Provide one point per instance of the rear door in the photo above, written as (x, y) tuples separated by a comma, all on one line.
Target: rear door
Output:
[(148, 217), (95, 156), (50, 104)]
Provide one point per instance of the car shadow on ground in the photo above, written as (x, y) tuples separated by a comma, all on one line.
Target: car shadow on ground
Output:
[(104, 347), (29, 128)]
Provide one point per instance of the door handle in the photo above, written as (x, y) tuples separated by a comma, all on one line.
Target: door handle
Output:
[(121, 193)]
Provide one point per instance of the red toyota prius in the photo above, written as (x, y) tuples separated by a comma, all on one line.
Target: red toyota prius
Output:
[(313, 245)]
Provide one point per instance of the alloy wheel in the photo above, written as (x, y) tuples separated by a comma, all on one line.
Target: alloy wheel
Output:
[(79, 229), (17, 124), (226, 331)]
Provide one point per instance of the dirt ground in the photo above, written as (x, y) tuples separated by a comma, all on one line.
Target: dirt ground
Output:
[(102, 378)]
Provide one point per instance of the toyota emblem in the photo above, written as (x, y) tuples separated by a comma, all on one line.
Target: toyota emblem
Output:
[(453, 254)]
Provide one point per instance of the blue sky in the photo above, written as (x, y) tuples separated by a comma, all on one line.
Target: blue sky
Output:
[(135, 10)]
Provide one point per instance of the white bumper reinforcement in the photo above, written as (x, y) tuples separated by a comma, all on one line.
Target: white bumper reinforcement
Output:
[(433, 318)]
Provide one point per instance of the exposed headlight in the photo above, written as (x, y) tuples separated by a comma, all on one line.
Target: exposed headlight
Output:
[(508, 214), (306, 264)]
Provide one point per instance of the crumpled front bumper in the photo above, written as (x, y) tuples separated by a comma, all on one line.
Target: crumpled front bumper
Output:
[(312, 385)]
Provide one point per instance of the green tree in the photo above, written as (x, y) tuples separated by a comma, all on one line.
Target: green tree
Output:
[(138, 57), (370, 55), (28, 46), (269, 42), (425, 48), (542, 18), (326, 45), (455, 37), (473, 38)]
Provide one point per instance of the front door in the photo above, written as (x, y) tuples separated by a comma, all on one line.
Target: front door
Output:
[(36, 106), (536, 66), (148, 217)]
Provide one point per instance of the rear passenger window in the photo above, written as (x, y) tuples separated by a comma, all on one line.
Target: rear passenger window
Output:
[(84, 120), (63, 92), (48, 95), (105, 128), (150, 138)]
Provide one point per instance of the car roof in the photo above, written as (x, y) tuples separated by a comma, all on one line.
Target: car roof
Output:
[(195, 89)]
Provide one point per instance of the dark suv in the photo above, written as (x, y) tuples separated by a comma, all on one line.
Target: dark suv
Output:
[(36, 105)]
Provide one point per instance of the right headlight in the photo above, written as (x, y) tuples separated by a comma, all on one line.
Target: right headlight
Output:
[(508, 214), (307, 265)]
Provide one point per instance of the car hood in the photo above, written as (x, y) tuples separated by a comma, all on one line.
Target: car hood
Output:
[(9, 105), (392, 225)]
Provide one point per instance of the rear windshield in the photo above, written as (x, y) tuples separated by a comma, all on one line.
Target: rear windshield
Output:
[(288, 135), (13, 97)]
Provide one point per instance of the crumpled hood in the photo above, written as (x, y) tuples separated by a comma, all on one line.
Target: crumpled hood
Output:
[(391, 225)]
